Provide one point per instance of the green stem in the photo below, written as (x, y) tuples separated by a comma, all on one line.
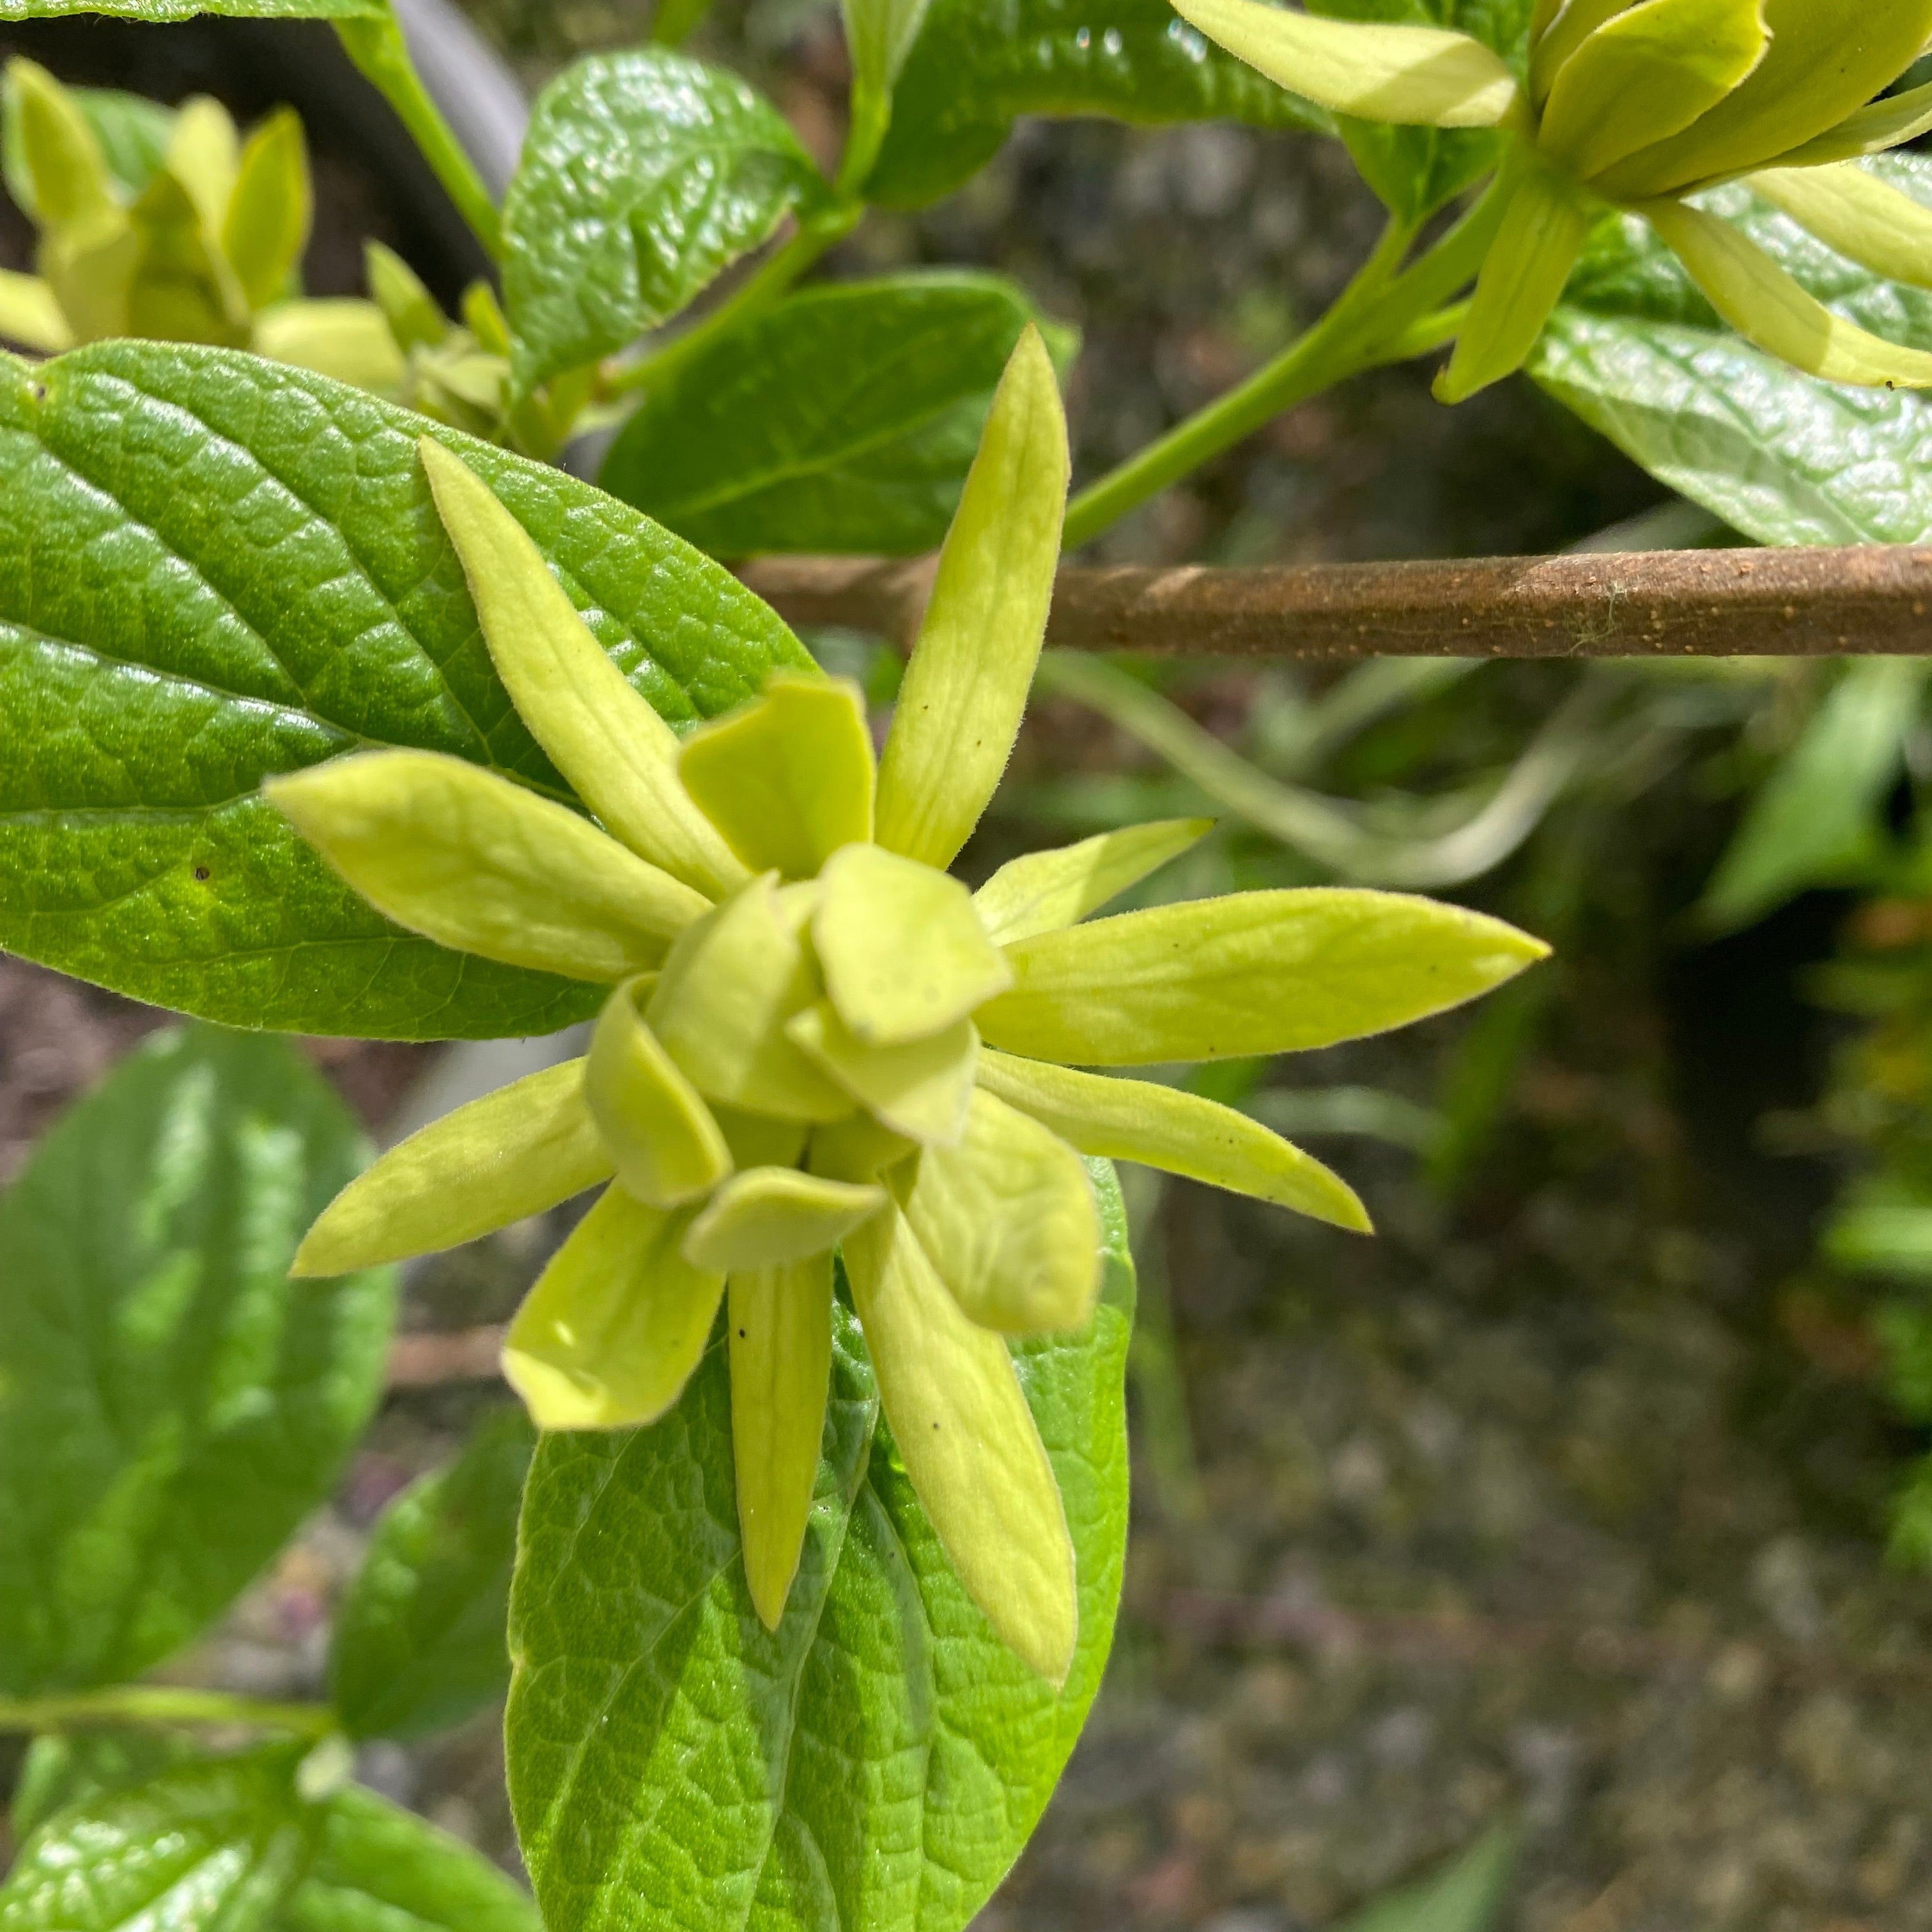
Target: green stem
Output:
[(1380, 317), (165, 1704), (382, 55), (756, 293)]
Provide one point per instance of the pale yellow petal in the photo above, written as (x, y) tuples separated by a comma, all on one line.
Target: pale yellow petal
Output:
[(30, 315), (516, 1152), (340, 336), (265, 226), (1423, 76), (1008, 1218), (859, 1149), (1857, 213), (667, 1148), (616, 1323), (1870, 129), (67, 174), (720, 1006), (779, 1323), (1178, 1131), (903, 954), (771, 1216), (969, 1444), (620, 757), (1769, 307), (204, 154), (921, 1089), (965, 689), (1255, 973), (1044, 891), (787, 779), (472, 860)]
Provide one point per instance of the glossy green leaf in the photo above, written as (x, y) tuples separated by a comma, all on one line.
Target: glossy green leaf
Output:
[(787, 779), (643, 174), (877, 1761), (1467, 1894), (612, 1330), (976, 68), (1637, 352), (158, 1373), (209, 1845), (419, 1636), (1169, 1128), (380, 1869), (964, 692), (157, 11), (61, 1768), (225, 569), (1255, 973), (1819, 818), (903, 951), (844, 419)]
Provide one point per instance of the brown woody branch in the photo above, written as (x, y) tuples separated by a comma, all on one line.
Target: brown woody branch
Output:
[(1708, 603)]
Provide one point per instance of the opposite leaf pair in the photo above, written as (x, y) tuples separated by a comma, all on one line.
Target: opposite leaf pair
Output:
[(817, 1039), (1638, 104)]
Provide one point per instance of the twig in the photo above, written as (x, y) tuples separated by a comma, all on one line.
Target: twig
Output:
[(1797, 602)]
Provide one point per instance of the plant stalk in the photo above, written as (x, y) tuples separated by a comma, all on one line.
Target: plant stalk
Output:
[(381, 55), (161, 1704)]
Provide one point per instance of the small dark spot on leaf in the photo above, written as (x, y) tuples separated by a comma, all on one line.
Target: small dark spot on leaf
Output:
[(201, 873), (741, 1334), (38, 391)]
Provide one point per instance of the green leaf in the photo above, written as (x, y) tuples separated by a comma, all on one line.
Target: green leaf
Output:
[(379, 1869), (1416, 170), (1465, 1896), (978, 65), (1637, 352), (643, 174), (1818, 819), (214, 569), (213, 1845), (170, 1408), (157, 12), (844, 419), (419, 1638), (877, 1761), (63, 1769)]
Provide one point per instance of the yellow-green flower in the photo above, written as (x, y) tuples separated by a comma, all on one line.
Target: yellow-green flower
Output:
[(818, 1039), (1638, 106)]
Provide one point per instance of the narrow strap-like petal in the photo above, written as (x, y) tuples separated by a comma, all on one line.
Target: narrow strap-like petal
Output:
[(1523, 274), (904, 953), (1009, 1219), (619, 755), (721, 1004), (1826, 59), (611, 1332), (1046, 890), (1255, 973), (779, 1323), (1857, 213), (341, 336), (516, 1152), (667, 1147), (1178, 1131), (965, 688), (786, 779), (969, 1444), (921, 1089), (66, 177), (1568, 27), (265, 226), (1769, 307), (772, 1216), (1646, 74), (30, 315), (1419, 75), (472, 860), (1888, 123)]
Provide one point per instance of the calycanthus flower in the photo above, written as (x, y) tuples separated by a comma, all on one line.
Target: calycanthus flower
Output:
[(816, 1040), (1638, 106)]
